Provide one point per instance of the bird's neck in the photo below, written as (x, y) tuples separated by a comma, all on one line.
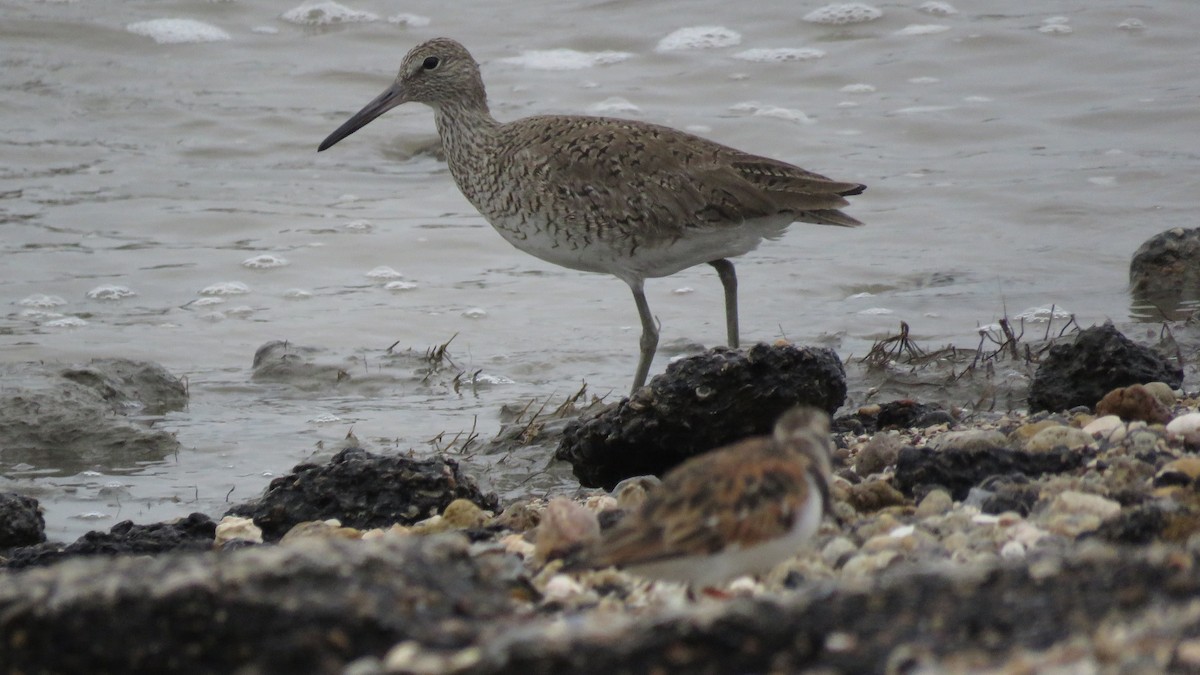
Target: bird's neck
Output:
[(467, 130)]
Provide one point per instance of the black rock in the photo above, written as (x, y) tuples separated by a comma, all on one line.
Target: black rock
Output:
[(698, 404), (960, 469), (21, 522), (362, 490), (193, 533), (1010, 493), (1100, 360), (1139, 525), (901, 414), (308, 607)]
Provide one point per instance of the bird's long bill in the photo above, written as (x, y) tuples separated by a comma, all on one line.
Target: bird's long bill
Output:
[(390, 98)]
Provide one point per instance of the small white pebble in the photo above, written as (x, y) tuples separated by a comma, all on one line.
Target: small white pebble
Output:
[(1185, 427), (1013, 550), (562, 587)]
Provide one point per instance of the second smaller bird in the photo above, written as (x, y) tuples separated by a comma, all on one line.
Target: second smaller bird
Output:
[(738, 510)]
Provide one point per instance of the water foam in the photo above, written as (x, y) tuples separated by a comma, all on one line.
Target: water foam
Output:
[(699, 37), (564, 59), (264, 262), (937, 8), (383, 273), (613, 104), (842, 13), (42, 300), (325, 14), (225, 288), (110, 292), (178, 31), (410, 20)]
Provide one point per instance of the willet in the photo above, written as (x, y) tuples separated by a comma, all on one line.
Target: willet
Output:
[(620, 197)]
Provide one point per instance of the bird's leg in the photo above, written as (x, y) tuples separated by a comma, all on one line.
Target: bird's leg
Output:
[(649, 342), (729, 281)]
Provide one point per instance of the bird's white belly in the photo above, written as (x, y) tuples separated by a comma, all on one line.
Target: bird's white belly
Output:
[(629, 257)]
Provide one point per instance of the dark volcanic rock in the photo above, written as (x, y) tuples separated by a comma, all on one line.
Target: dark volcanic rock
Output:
[(960, 469), (307, 607), (1010, 493), (362, 490), (194, 533), (698, 404), (896, 625), (902, 414), (21, 522), (1100, 360)]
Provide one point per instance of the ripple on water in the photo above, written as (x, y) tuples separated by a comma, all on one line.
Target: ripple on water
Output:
[(564, 59), (66, 322), (923, 29), (178, 31), (699, 37), (400, 286), (779, 54), (326, 14), (842, 13)]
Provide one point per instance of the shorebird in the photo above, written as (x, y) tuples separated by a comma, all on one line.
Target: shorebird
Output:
[(738, 510), (598, 194)]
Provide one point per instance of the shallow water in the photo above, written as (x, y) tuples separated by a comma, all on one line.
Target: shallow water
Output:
[(1015, 160)]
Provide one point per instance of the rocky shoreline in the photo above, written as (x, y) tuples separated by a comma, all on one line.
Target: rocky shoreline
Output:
[(972, 538)]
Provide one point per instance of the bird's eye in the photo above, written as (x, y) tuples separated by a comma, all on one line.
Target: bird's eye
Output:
[(430, 62)]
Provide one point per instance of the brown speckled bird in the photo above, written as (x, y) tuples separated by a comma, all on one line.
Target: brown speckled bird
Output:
[(598, 194), (738, 510)]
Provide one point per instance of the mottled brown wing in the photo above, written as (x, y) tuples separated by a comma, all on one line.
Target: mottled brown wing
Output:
[(741, 495), (651, 174)]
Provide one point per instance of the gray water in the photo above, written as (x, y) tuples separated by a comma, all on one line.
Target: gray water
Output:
[(1016, 153)]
